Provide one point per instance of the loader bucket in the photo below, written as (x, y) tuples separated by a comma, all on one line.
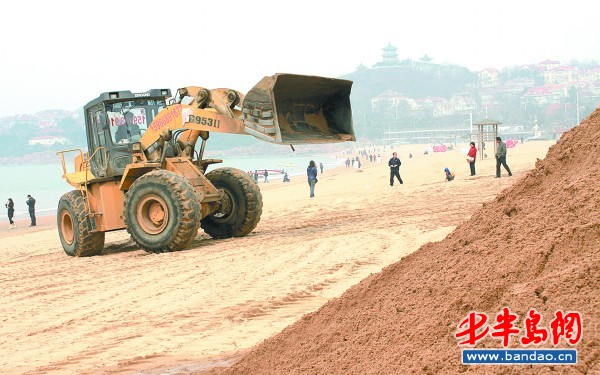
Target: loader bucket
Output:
[(296, 109)]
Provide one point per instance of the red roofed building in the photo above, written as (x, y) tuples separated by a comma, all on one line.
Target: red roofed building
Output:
[(48, 136), (543, 95)]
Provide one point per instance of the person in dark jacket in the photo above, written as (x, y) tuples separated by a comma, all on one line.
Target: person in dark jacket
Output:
[(11, 212), (501, 157), (311, 172), (31, 203), (394, 164)]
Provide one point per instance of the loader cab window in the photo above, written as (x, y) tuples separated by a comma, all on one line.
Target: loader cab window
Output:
[(98, 140), (129, 120)]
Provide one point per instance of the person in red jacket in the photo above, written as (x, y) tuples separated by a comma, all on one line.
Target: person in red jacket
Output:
[(472, 156)]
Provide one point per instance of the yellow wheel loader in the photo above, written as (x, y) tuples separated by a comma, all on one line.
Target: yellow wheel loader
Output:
[(144, 170)]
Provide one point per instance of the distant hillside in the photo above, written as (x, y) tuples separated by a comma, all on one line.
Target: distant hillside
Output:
[(413, 80), (388, 98)]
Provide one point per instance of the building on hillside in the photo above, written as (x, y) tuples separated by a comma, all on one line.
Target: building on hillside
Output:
[(361, 67), (435, 107), (48, 135), (518, 85), (385, 100), (48, 140), (427, 136), (543, 95), (461, 103), (397, 106), (590, 75), (488, 77), (426, 59), (560, 74), (393, 105), (548, 64)]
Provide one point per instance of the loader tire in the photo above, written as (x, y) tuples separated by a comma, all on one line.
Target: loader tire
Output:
[(240, 208), (161, 212), (74, 229)]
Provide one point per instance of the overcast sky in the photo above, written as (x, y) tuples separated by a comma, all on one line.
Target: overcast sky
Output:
[(61, 54)]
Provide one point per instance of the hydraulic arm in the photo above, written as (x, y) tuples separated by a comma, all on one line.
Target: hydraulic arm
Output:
[(284, 108)]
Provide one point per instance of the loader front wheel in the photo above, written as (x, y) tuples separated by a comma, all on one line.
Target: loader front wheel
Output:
[(161, 212), (74, 229), (241, 205)]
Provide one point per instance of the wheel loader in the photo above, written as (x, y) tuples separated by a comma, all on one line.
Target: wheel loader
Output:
[(145, 171)]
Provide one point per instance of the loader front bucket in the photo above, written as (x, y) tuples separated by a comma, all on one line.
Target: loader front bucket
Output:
[(296, 109)]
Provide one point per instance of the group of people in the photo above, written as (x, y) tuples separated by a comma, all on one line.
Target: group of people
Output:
[(394, 163), (355, 162), (254, 175), (311, 171), (500, 157), (10, 205)]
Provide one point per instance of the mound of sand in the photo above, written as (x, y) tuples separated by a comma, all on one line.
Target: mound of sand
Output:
[(537, 245)]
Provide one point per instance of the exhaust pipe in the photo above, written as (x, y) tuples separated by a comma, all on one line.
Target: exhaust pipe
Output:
[(296, 109)]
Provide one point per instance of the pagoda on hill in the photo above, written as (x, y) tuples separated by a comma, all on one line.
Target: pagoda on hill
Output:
[(390, 57)]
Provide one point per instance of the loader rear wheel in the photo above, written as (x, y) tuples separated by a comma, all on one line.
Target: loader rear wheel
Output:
[(161, 212), (241, 205), (74, 229)]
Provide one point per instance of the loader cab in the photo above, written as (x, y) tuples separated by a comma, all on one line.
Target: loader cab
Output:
[(114, 122)]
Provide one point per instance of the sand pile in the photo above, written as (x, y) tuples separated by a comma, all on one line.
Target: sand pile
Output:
[(537, 245)]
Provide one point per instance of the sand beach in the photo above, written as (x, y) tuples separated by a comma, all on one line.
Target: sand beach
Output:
[(127, 311)]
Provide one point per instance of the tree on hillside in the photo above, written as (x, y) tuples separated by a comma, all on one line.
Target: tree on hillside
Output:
[(73, 130), (15, 142)]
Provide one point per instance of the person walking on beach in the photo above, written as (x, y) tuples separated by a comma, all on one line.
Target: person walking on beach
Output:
[(266, 174), (471, 157), (31, 203), (311, 173), (501, 157), (11, 212), (321, 167), (394, 164)]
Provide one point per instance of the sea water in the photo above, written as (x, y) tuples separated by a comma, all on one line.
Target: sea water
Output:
[(46, 185)]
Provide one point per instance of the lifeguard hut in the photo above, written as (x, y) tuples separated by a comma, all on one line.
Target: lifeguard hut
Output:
[(487, 130)]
